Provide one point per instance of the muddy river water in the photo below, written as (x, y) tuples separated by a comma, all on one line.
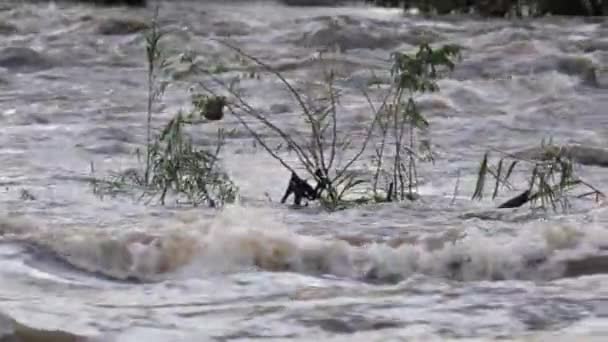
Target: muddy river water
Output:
[(72, 95)]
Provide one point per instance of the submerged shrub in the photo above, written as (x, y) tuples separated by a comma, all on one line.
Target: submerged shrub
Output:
[(173, 164), (551, 178), (413, 74), (178, 166)]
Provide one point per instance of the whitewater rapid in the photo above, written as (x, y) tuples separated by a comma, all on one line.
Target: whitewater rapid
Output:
[(73, 93)]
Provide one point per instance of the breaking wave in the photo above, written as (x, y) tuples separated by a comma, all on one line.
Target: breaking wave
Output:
[(195, 248)]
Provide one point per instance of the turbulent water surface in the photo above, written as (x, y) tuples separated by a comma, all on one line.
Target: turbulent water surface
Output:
[(73, 93)]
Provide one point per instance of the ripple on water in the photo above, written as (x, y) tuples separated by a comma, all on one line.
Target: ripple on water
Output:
[(22, 59)]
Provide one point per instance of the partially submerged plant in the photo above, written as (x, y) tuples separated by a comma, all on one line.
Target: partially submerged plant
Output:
[(413, 75), (177, 165), (318, 153), (172, 162), (552, 177), (326, 153), (156, 62)]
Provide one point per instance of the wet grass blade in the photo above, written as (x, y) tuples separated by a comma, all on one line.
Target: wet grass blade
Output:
[(481, 178), (510, 170), (498, 174)]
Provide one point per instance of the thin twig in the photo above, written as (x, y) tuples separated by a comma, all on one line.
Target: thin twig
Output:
[(283, 80), (251, 111)]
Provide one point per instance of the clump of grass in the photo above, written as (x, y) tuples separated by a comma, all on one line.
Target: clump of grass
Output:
[(551, 179), (173, 164), (179, 166)]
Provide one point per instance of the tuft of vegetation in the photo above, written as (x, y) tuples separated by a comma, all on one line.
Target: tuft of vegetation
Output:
[(179, 166), (551, 180), (319, 153), (322, 153), (413, 75), (173, 164)]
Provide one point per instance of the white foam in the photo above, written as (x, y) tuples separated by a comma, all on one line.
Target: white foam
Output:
[(245, 239)]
